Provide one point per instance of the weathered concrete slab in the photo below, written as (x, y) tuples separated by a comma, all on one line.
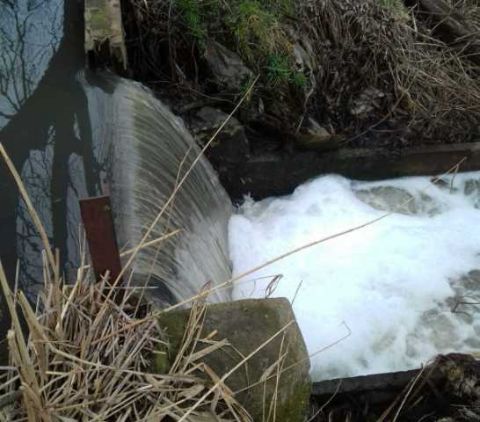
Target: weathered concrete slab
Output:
[(275, 174), (393, 381), (248, 324), (445, 389), (104, 34)]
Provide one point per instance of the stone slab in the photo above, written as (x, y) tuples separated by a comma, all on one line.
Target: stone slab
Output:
[(247, 324)]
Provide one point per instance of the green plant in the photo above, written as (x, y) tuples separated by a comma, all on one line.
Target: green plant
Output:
[(280, 70), (299, 79), (396, 6), (254, 27), (191, 14)]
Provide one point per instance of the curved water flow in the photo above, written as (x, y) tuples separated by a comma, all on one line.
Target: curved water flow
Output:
[(71, 139), (147, 151)]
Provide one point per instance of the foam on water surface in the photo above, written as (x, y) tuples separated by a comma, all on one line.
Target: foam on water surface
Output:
[(383, 298)]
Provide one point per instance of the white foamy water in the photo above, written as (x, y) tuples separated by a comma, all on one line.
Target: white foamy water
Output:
[(390, 290)]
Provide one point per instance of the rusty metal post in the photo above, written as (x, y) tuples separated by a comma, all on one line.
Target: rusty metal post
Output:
[(98, 222)]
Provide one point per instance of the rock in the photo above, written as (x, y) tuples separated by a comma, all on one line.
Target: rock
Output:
[(303, 60), (227, 67), (366, 102), (246, 325), (398, 200), (315, 137), (472, 189), (231, 144), (302, 51)]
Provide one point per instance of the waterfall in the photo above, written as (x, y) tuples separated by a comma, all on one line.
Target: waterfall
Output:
[(144, 150)]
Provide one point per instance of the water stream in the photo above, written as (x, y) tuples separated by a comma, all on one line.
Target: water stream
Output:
[(146, 152)]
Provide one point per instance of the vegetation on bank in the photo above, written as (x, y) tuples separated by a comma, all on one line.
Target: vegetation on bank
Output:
[(374, 72), (253, 28), (256, 30)]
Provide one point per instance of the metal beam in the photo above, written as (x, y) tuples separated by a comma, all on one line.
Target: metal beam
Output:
[(100, 231)]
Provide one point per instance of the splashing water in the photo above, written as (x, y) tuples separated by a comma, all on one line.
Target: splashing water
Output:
[(146, 151), (387, 297)]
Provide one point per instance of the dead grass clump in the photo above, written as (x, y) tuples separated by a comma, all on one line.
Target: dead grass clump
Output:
[(89, 356), (469, 9), (379, 63)]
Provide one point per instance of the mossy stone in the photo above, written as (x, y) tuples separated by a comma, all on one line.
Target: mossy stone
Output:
[(246, 325)]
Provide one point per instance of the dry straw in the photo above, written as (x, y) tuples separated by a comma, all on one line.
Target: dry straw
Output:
[(64, 373), (85, 359), (89, 357)]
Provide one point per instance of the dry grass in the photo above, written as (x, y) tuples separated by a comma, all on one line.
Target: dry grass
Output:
[(372, 53), (78, 361), (87, 351), (368, 44)]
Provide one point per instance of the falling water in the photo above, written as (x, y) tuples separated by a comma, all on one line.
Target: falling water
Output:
[(70, 138), (147, 151)]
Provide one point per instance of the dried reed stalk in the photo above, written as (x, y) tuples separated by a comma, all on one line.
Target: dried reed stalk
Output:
[(81, 356), (68, 367)]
